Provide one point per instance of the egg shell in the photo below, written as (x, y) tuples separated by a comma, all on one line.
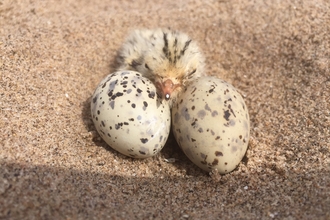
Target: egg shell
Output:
[(129, 116), (211, 124)]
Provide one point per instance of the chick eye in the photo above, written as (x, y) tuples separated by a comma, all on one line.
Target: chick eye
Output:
[(146, 66)]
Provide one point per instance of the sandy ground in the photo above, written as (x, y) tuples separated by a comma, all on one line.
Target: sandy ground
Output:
[(55, 166)]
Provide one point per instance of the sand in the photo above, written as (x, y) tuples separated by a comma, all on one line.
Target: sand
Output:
[(55, 166)]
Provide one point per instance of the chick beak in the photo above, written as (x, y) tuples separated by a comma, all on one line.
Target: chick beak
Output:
[(167, 87)]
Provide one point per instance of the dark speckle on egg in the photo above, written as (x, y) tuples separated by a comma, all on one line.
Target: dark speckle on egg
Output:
[(203, 156), (186, 114), (124, 73), (218, 154), (144, 140), (231, 110), (118, 126), (207, 107), (212, 89), (194, 123), (112, 86), (95, 98), (151, 95), (226, 115), (201, 114), (142, 152), (215, 162), (231, 123), (118, 94), (124, 82), (112, 104)]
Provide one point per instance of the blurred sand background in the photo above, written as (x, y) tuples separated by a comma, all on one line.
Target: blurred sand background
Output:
[(53, 165)]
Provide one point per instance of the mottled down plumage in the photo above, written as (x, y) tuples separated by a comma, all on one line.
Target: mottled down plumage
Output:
[(170, 59)]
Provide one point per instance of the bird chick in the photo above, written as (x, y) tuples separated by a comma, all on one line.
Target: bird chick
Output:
[(168, 58)]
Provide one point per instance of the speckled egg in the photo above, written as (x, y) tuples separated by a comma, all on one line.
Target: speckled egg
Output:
[(129, 115), (211, 124)]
